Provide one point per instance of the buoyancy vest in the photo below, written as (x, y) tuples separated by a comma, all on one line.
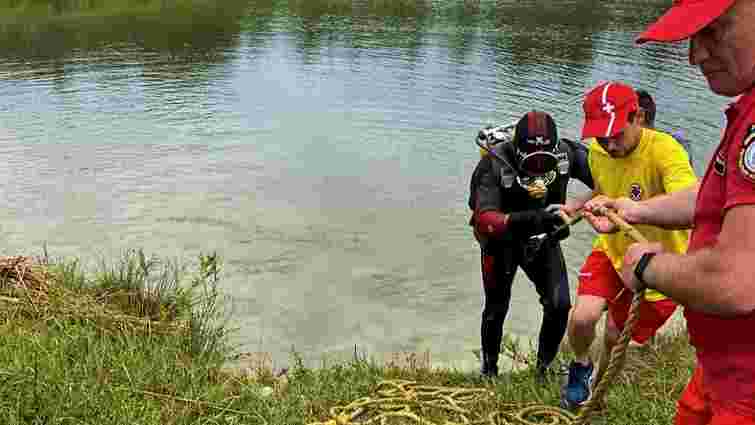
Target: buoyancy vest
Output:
[(512, 196)]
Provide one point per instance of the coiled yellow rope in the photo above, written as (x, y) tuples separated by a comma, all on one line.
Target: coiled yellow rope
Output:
[(398, 401)]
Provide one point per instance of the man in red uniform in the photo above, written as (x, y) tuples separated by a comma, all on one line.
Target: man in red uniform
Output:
[(715, 280)]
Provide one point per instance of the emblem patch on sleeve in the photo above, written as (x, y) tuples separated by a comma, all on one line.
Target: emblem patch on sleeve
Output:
[(747, 155)]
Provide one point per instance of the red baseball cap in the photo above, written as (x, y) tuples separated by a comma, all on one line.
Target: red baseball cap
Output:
[(683, 19), (607, 108)]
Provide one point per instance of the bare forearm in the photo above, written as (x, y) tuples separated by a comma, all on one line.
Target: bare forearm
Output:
[(707, 281), (673, 211)]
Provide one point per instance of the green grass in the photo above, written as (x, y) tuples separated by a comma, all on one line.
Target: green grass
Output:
[(145, 341)]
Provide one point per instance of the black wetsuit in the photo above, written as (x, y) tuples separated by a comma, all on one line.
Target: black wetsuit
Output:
[(494, 186)]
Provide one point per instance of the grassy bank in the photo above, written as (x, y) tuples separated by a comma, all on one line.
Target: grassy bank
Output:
[(143, 341)]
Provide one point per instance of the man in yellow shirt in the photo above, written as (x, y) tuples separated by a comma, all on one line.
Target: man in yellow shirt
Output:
[(625, 159)]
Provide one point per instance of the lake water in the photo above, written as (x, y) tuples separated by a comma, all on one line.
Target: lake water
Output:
[(323, 147)]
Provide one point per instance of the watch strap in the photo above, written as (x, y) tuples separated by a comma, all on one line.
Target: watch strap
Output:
[(639, 269)]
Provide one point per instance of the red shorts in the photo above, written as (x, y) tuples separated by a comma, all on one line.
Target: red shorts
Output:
[(598, 278), (696, 407)]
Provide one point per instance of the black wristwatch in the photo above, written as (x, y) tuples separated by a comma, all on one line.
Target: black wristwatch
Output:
[(639, 269)]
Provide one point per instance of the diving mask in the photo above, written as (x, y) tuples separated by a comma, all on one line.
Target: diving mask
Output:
[(537, 171)]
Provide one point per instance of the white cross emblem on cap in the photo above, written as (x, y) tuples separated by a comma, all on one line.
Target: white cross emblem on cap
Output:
[(608, 107)]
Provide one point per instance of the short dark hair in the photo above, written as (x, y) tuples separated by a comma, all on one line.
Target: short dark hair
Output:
[(648, 105)]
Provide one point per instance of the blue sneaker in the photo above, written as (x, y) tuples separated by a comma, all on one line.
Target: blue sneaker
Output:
[(578, 389)]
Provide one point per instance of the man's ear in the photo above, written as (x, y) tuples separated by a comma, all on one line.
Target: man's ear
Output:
[(640, 117)]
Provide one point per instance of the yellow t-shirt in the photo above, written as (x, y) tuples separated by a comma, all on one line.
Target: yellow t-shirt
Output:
[(658, 165)]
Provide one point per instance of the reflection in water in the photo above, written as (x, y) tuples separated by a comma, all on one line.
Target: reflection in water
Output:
[(559, 31), (520, 36), (534, 29), (383, 8), (322, 147), (178, 29)]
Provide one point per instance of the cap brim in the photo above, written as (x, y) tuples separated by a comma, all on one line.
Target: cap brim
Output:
[(683, 20), (599, 127), (594, 128)]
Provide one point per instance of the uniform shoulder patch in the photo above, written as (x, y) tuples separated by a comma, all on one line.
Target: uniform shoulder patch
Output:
[(747, 155)]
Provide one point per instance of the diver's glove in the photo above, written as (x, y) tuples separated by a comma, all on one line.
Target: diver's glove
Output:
[(524, 224), (561, 233), (564, 231)]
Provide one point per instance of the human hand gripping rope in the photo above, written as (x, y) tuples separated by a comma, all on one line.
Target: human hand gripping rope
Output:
[(401, 400), (618, 353)]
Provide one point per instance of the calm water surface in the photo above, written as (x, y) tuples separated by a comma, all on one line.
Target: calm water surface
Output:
[(322, 148)]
